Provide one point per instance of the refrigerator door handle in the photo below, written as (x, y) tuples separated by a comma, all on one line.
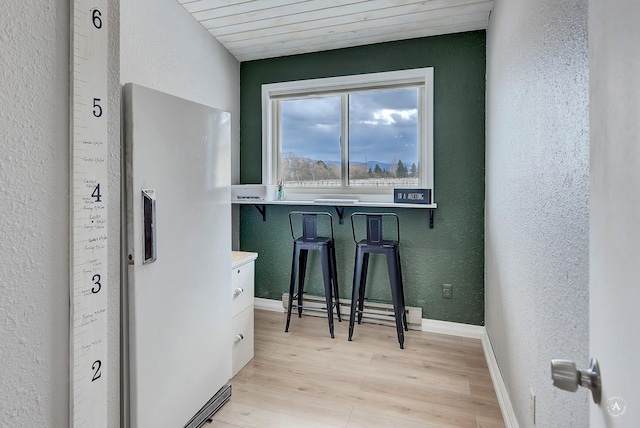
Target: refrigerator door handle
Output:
[(149, 225)]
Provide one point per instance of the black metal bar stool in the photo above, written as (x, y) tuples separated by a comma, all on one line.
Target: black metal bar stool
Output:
[(376, 244), (301, 247)]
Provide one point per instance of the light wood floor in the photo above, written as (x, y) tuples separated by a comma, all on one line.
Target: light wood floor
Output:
[(306, 379)]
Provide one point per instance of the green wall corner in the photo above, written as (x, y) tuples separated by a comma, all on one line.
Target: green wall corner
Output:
[(450, 253)]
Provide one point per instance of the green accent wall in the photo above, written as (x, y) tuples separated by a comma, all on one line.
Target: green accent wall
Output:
[(450, 253)]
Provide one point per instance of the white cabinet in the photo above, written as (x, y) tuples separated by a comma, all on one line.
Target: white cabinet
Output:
[(242, 276)]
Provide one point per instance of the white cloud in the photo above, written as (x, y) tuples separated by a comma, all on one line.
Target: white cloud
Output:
[(387, 116)]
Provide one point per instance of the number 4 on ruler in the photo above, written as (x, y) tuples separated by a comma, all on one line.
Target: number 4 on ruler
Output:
[(96, 193)]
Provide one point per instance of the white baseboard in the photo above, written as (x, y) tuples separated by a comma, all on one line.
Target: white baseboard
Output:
[(452, 328), (268, 304), (508, 414)]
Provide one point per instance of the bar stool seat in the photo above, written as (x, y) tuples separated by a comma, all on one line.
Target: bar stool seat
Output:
[(375, 244), (310, 241)]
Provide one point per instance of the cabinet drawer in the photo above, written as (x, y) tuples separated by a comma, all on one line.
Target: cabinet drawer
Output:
[(242, 327), (242, 288)]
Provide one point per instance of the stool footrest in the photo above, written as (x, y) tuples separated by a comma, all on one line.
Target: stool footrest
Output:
[(378, 313), (311, 308), (307, 307)]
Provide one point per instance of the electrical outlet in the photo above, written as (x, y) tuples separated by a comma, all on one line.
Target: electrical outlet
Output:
[(447, 291), (532, 405)]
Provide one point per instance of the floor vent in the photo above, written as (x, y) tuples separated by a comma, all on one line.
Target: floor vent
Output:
[(374, 312), (206, 413)]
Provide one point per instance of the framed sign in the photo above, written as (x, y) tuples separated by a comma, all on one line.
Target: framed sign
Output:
[(412, 196)]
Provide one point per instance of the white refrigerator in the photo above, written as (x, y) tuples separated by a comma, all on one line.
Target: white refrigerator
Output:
[(177, 312)]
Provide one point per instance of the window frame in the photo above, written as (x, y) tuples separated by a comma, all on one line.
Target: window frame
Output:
[(272, 92)]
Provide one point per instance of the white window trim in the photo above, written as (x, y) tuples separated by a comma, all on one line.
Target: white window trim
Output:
[(422, 76)]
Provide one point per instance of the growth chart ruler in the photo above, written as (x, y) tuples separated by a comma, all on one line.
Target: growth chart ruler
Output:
[(88, 198)]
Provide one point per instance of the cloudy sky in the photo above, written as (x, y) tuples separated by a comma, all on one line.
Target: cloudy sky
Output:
[(383, 127)]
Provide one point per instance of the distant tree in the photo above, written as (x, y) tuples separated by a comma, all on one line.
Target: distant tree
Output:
[(296, 168), (370, 173), (377, 171), (401, 170), (320, 171), (358, 172), (413, 172), (334, 171), (391, 172)]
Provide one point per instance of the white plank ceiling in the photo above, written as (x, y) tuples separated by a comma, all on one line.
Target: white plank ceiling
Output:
[(256, 29)]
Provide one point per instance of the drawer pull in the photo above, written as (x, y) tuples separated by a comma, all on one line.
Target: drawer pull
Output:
[(237, 291), (238, 338)]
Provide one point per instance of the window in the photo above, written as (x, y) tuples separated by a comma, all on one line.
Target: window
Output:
[(361, 135)]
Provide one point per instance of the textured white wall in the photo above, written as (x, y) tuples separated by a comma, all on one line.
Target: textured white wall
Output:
[(164, 48), (34, 221), (34, 214), (537, 175)]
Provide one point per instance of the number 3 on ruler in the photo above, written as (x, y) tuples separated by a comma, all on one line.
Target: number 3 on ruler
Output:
[(96, 281)]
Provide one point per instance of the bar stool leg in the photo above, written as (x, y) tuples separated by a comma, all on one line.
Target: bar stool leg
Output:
[(404, 312), (302, 271), (396, 293), (326, 274), (357, 274), (363, 284), (334, 276), (292, 283)]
